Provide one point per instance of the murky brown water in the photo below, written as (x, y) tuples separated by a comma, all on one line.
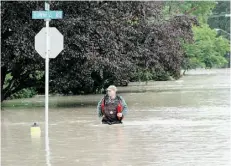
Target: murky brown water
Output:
[(184, 122)]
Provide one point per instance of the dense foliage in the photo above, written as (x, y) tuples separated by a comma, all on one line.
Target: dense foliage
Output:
[(208, 50), (105, 43), (20, 65), (201, 9), (218, 19)]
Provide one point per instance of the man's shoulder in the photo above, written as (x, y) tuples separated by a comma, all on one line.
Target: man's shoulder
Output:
[(120, 97)]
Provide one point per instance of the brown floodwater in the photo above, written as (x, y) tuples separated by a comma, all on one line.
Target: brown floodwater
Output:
[(172, 123)]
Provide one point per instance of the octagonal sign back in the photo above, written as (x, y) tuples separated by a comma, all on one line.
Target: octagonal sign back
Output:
[(55, 42)]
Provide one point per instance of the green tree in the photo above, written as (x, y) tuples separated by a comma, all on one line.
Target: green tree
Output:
[(218, 19), (207, 51), (201, 9)]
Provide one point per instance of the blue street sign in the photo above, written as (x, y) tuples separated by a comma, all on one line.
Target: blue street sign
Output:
[(51, 14)]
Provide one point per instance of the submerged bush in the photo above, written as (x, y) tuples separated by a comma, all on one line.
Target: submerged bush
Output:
[(147, 75), (24, 93)]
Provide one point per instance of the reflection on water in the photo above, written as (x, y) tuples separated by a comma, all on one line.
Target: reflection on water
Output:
[(187, 123), (47, 146)]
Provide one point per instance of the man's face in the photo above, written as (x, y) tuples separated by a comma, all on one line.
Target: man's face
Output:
[(111, 92)]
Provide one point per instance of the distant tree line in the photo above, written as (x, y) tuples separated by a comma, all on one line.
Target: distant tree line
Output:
[(105, 43)]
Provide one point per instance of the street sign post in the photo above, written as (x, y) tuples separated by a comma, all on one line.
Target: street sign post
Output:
[(48, 43)]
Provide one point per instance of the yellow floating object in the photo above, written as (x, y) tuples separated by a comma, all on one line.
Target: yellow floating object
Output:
[(35, 130)]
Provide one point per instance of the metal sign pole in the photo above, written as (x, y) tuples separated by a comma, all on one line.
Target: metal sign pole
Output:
[(46, 49), (47, 7)]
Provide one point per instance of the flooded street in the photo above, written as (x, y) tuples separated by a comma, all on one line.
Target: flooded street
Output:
[(173, 123)]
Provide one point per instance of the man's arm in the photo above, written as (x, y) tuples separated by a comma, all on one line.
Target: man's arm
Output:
[(125, 107), (99, 111)]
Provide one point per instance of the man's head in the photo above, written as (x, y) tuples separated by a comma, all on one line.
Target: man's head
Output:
[(111, 91)]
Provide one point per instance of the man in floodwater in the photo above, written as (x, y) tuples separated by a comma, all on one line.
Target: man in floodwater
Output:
[(112, 107)]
